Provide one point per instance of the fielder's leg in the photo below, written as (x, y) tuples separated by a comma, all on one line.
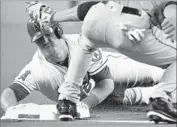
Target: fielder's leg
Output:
[(70, 89), (154, 49)]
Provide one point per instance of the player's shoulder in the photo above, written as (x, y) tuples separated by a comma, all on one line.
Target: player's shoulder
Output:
[(36, 61), (38, 55), (71, 37)]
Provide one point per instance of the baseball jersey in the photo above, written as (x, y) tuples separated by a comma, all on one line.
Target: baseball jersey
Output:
[(46, 77), (153, 49), (153, 46)]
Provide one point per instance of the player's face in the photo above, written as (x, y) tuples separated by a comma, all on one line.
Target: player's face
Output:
[(54, 49)]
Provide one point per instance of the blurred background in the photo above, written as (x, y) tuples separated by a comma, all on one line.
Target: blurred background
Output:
[(16, 48)]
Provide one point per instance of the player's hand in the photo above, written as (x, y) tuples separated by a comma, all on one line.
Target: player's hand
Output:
[(169, 28), (134, 34), (33, 9)]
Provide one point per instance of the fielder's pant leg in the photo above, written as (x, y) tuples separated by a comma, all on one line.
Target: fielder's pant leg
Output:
[(151, 50), (154, 49), (158, 51), (93, 37), (78, 67), (96, 27)]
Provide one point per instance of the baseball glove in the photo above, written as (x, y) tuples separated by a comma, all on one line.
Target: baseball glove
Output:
[(42, 13)]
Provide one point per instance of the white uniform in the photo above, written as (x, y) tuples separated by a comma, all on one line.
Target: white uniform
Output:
[(154, 48), (130, 72), (133, 80), (43, 76), (46, 77)]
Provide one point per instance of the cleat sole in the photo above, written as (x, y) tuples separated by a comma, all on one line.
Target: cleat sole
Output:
[(157, 117), (66, 118)]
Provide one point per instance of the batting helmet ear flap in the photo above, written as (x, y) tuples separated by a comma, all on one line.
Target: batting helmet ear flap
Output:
[(58, 33), (57, 29)]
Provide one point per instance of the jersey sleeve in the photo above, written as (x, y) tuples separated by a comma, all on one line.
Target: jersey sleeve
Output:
[(84, 8), (19, 91), (28, 78)]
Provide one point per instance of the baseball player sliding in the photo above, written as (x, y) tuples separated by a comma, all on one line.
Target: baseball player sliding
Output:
[(133, 32), (45, 73)]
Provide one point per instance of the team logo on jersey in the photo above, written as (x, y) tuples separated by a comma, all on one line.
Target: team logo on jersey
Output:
[(24, 75), (97, 56)]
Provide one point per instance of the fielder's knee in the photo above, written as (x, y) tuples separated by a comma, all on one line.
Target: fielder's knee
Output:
[(91, 18), (94, 25)]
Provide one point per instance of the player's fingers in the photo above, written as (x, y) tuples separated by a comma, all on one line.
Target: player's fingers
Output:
[(171, 35), (141, 32), (134, 40), (136, 35), (130, 37), (167, 26), (169, 30)]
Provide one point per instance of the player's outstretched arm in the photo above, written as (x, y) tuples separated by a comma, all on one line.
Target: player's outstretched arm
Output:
[(74, 14), (43, 13), (66, 15), (8, 99), (12, 95)]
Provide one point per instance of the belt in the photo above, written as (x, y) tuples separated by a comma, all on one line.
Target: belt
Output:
[(133, 11)]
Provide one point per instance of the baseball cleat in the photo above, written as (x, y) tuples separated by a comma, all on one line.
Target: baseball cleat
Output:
[(162, 110), (156, 117), (67, 110)]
